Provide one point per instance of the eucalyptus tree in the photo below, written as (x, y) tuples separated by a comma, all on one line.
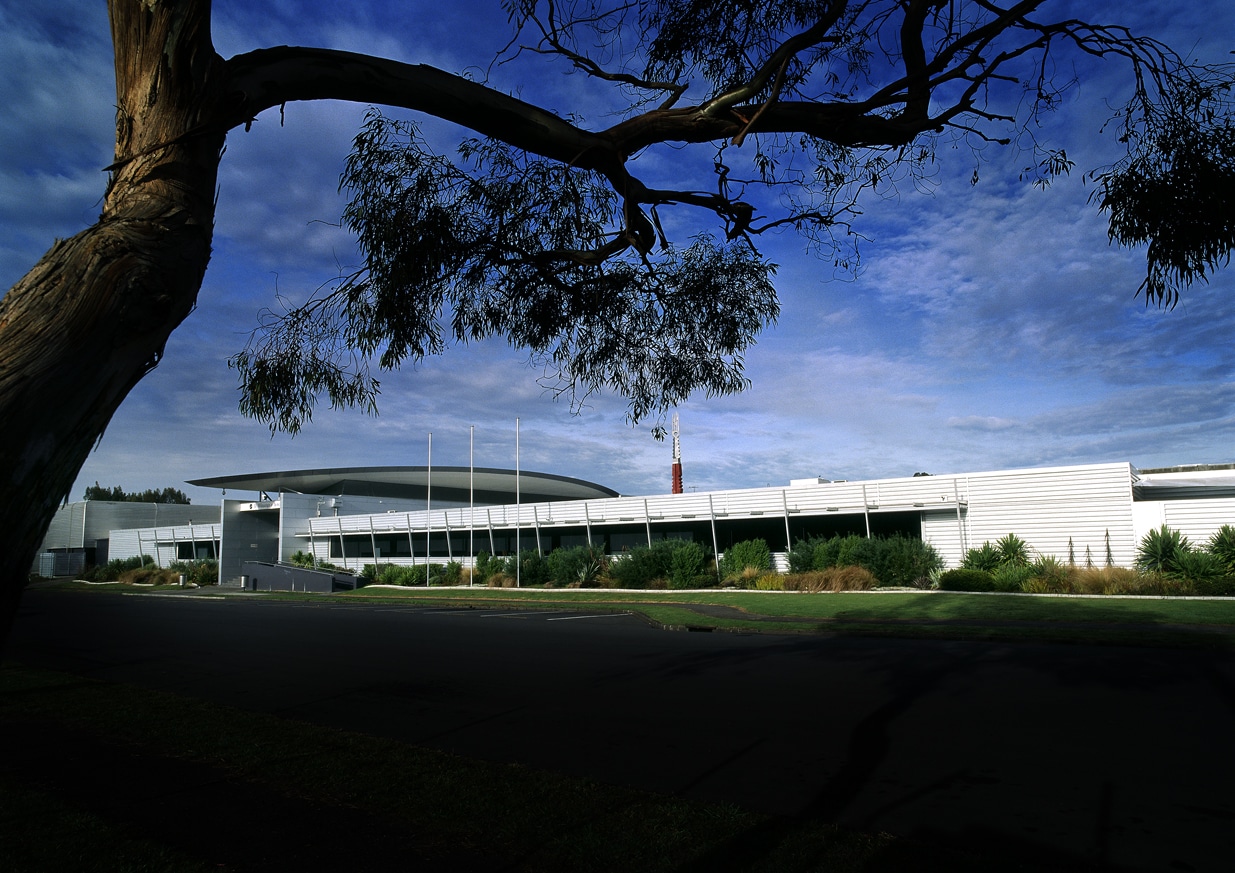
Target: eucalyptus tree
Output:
[(546, 227)]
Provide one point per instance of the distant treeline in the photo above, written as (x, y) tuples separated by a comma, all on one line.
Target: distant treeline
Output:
[(150, 495)]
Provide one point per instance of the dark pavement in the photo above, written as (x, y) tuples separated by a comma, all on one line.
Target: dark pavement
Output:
[(1113, 758)]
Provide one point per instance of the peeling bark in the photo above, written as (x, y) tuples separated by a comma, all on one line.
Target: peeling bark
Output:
[(93, 316)]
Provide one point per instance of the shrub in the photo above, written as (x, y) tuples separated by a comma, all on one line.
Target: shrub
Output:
[(528, 568), (305, 559), (643, 565), (1013, 550), (113, 569), (397, 574), (688, 567), (802, 556), (1049, 574), (902, 561), (200, 573), (368, 574), (450, 573), (1200, 569), (856, 551), (593, 570), (1219, 586), (967, 579), (1222, 546), (1160, 549), (1011, 577), (827, 553), (985, 558), (746, 555), (485, 566), (581, 565)]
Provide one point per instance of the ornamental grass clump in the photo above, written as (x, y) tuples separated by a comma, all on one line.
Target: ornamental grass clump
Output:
[(115, 568), (1049, 574), (1107, 580), (832, 579), (770, 582), (500, 580)]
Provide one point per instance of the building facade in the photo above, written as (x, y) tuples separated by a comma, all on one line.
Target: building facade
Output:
[(80, 533), (1094, 513)]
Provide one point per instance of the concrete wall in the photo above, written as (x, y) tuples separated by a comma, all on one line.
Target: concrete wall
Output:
[(260, 576)]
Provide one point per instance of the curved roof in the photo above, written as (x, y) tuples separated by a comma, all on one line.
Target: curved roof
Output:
[(492, 485)]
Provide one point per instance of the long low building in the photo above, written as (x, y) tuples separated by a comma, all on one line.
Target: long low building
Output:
[(79, 533), (1090, 513)]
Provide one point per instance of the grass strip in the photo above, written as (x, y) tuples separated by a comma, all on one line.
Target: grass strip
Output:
[(512, 816), (1156, 621), (936, 615)]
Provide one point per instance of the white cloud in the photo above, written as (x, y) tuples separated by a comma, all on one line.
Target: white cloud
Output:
[(990, 326)]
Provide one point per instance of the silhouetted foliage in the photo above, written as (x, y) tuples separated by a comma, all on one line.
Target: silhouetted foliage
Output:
[(549, 237), (150, 495)]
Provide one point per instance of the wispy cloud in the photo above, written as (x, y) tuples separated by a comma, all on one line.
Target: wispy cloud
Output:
[(989, 326)]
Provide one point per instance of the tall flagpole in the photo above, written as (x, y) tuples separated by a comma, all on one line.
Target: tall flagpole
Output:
[(518, 511), (428, 507), (471, 504)]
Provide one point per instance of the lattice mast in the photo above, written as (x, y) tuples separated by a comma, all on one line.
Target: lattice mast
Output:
[(677, 457)]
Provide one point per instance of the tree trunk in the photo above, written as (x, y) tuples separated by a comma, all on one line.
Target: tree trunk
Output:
[(92, 317)]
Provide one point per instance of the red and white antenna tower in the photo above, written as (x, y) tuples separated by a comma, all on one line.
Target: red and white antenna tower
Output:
[(677, 457)]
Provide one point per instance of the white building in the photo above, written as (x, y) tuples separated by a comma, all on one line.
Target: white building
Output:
[(79, 533), (405, 515)]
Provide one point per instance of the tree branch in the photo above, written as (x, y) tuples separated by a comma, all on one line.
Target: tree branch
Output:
[(266, 78)]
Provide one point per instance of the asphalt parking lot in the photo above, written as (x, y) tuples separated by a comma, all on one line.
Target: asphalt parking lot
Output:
[(1106, 757)]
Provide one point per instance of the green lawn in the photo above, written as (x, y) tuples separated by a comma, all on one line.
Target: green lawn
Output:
[(1140, 620), (1158, 621)]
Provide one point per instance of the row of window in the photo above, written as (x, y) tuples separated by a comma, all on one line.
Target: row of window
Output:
[(197, 551), (615, 539)]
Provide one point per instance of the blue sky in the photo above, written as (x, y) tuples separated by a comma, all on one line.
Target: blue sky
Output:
[(990, 326)]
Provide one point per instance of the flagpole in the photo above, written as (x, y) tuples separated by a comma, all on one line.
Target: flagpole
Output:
[(428, 507), (518, 511), (471, 504)]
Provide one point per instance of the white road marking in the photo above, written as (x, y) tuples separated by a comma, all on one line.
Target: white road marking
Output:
[(591, 615), (508, 614)]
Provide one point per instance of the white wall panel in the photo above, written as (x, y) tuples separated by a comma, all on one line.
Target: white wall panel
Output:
[(1198, 519)]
